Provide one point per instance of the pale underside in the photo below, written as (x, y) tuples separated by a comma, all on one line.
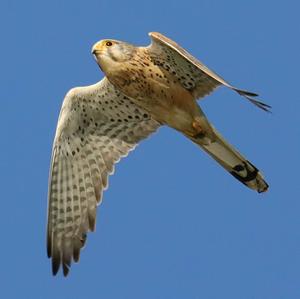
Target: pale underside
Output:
[(97, 126)]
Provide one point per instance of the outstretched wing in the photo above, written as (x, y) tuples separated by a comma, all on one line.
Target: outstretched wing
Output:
[(97, 126), (190, 72)]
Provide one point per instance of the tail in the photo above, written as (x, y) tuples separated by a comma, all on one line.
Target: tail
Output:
[(233, 162)]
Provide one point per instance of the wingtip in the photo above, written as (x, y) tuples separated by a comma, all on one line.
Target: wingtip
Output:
[(66, 269), (246, 92), (55, 266), (49, 251), (260, 104), (57, 262), (248, 95)]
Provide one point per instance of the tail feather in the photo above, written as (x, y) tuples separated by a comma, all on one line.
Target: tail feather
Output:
[(233, 162)]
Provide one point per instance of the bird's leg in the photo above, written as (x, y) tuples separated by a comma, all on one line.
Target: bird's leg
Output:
[(199, 130), (202, 131)]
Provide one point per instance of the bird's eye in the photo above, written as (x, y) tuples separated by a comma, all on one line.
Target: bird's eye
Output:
[(108, 44)]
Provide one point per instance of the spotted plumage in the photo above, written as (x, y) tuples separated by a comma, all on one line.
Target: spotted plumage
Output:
[(97, 126), (144, 88)]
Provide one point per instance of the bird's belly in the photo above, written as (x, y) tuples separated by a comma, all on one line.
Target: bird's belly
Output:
[(163, 97), (169, 105)]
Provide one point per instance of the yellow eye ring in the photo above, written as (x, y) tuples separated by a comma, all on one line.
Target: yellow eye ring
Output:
[(108, 44)]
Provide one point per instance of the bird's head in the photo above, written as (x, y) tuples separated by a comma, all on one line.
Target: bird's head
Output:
[(110, 53)]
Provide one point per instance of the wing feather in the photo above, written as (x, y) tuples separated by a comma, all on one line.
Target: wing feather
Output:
[(97, 126), (191, 72)]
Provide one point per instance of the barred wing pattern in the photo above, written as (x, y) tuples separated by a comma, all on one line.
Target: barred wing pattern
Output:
[(190, 72), (97, 126)]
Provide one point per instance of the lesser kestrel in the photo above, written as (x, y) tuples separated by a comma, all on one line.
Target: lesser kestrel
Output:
[(143, 89)]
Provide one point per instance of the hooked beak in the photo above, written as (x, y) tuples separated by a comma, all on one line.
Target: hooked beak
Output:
[(95, 51), (96, 48)]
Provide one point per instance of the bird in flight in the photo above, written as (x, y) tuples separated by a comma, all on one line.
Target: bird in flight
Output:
[(143, 89)]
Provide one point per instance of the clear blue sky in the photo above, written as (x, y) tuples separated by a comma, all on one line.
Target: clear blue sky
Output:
[(173, 224)]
